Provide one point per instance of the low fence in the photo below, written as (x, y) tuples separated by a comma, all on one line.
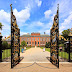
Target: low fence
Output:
[(63, 54), (6, 55)]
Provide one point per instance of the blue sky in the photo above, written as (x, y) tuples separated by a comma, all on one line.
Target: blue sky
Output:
[(35, 15)]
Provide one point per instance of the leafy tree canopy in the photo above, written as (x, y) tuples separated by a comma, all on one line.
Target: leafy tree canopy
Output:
[(65, 33), (23, 44), (4, 44), (47, 45)]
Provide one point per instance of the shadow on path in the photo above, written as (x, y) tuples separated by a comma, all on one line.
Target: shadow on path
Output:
[(48, 58)]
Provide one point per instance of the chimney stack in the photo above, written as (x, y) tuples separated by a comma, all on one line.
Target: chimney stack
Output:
[(44, 32)]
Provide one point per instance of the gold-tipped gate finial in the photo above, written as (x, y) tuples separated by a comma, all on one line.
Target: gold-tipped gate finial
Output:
[(10, 5)]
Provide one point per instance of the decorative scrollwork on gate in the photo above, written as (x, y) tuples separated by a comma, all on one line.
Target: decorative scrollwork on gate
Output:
[(54, 36), (15, 41), (70, 46)]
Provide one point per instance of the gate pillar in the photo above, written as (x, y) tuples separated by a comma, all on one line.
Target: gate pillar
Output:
[(0, 48), (70, 49)]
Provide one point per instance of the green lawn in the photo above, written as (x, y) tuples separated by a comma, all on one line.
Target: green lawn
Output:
[(61, 54), (26, 48), (6, 53), (46, 49)]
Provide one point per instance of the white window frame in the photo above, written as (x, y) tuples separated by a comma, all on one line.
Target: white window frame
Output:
[(43, 39), (32, 39), (38, 39), (35, 39)]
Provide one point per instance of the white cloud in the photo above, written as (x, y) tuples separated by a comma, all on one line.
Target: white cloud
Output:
[(32, 4), (67, 23), (6, 26), (47, 13), (15, 1), (22, 24), (6, 29), (39, 23), (67, 20), (4, 16), (47, 31), (35, 24), (39, 2), (65, 14), (23, 15), (46, 28), (61, 29), (52, 17), (21, 33), (64, 7)]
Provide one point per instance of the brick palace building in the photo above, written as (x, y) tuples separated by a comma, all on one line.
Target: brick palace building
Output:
[(35, 39)]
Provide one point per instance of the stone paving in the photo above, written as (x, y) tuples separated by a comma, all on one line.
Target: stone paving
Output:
[(35, 55), (28, 67)]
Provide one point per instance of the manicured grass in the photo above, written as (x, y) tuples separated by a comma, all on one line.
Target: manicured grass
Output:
[(6, 53), (61, 54), (46, 49), (64, 55), (26, 48)]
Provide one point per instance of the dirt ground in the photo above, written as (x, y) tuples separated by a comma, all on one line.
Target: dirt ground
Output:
[(36, 67)]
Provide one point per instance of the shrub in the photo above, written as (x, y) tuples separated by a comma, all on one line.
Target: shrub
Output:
[(23, 44), (20, 45), (4, 45), (61, 41), (61, 45), (38, 46), (47, 45), (9, 46)]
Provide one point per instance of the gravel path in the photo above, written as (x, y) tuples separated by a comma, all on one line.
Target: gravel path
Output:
[(23, 67), (35, 55)]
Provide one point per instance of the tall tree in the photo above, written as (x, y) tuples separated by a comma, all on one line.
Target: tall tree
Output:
[(65, 33)]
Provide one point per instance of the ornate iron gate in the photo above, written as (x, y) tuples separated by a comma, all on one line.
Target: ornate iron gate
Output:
[(0, 48), (70, 48), (54, 36), (15, 41)]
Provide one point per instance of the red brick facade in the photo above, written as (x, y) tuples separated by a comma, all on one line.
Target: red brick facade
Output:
[(35, 39)]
